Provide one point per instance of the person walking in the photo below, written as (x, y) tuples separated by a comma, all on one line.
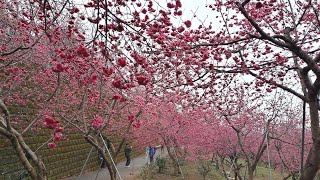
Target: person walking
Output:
[(147, 154), (127, 154), (152, 152)]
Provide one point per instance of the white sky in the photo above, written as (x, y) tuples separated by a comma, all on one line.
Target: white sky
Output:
[(197, 7)]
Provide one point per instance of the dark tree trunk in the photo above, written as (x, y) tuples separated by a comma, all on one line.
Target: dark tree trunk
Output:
[(312, 163), (250, 174), (311, 166), (112, 172)]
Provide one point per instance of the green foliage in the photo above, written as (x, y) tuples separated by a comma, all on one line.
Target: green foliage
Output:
[(181, 162), (147, 172), (204, 167), (161, 163)]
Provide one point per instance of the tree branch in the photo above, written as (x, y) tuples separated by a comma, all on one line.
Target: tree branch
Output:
[(245, 3), (55, 91), (7, 115), (4, 132), (279, 85), (257, 27), (13, 51)]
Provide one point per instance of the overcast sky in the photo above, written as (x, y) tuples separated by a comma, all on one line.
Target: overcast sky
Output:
[(197, 7)]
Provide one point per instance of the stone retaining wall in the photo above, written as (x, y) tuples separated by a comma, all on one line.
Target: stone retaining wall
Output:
[(64, 161)]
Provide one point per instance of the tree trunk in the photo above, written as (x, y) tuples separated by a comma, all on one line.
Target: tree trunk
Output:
[(34, 166), (175, 162), (23, 159), (34, 172), (311, 166), (31, 163), (250, 174), (172, 157), (237, 175), (112, 172)]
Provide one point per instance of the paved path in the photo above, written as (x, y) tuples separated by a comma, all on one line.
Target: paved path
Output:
[(125, 173)]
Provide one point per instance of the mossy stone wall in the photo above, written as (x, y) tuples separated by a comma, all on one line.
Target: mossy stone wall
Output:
[(64, 161)]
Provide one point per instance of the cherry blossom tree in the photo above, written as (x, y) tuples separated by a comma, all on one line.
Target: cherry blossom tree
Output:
[(242, 117), (29, 42), (83, 65), (162, 123), (271, 42), (44, 66), (278, 49), (286, 145)]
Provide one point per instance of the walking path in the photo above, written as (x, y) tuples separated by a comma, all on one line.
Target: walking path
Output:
[(103, 174)]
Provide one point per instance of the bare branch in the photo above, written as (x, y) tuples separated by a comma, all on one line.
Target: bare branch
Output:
[(304, 12), (31, 124), (280, 86), (69, 121), (14, 50), (7, 115), (55, 91), (258, 28), (245, 3), (4, 132)]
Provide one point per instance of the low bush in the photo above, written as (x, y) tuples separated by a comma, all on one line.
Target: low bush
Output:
[(204, 167), (161, 162)]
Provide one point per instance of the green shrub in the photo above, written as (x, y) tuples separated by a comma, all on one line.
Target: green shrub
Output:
[(181, 162), (161, 162), (204, 167), (146, 172)]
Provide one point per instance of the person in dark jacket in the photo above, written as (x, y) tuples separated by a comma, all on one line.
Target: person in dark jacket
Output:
[(127, 154)]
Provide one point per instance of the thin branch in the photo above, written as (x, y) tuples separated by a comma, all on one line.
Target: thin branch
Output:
[(275, 138), (7, 115), (55, 91), (31, 124), (4, 132), (317, 15), (302, 16), (69, 121), (280, 86), (14, 50)]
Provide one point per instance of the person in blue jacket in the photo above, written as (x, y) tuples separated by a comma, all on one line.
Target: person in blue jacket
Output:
[(152, 152)]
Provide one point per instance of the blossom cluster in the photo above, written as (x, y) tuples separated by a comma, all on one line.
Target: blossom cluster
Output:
[(98, 121), (53, 124)]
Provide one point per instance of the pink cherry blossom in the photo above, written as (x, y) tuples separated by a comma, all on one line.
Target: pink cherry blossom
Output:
[(52, 145), (57, 136), (97, 122)]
